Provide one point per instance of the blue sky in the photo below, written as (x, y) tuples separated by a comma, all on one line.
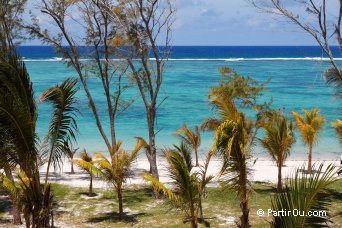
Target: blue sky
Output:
[(229, 22)]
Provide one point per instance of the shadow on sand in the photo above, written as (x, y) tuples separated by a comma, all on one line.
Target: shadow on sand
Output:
[(115, 217)]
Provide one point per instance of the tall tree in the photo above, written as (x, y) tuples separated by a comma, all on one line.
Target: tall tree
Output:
[(147, 30), (235, 134), (100, 34), (309, 126), (18, 116), (324, 25), (10, 17), (278, 141)]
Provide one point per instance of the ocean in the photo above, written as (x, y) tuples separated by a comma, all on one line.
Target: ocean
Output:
[(296, 83)]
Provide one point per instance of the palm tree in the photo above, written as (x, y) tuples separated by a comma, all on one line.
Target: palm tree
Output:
[(70, 152), (338, 128), (304, 193), (278, 141), (18, 116), (309, 126), (192, 138), (234, 133), (63, 125), (117, 170), (86, 163), (184, 192), (204, 179)]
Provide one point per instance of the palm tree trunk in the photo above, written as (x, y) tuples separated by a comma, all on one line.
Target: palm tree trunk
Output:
[(193, 216), (72, 168), (15, 208), (310, 160), (200, 208), (244, 195), (91, 186), (245, 214), (196, 154), (119, 193), (280, 185)]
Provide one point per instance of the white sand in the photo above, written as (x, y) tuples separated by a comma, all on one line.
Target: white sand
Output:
[(264, 170)]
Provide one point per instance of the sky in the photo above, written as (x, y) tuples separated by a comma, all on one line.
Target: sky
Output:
[(228, 23)]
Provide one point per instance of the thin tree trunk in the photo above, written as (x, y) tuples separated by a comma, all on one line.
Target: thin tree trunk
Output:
[(72, 168), (196, 154), (193, 216), (280, 185), (91, 186), (310, 160), (153, 150), (15, 209), (200, 208), (119, 193), (245, 214)]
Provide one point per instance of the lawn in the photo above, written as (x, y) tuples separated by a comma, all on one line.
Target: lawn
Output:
[(221, 208)]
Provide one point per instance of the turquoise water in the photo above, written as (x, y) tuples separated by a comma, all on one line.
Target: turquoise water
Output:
[(295, 84)]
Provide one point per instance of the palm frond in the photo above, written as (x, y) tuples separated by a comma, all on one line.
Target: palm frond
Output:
[(157, 185), (304, 192), (63, 126)]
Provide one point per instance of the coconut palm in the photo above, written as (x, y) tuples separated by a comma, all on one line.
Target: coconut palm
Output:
[(86, 163), (184, 192), (63, 125), (70, 152), (309, 126), (192, 138), (117, 170), (304, 193), (278, 141), (338, 128), (234, 133), (18, 115)]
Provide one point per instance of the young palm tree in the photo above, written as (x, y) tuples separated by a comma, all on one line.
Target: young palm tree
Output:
[(184, 192), (86, 163), (309, 126), (117, 170), (204, 179), (304, 193), (70, 152), (278, 141), (192, 138), (63, 125)]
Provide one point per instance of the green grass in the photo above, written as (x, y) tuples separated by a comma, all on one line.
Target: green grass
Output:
[(221, 208)]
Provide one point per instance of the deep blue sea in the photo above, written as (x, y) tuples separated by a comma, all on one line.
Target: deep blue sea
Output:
[(297, 83)]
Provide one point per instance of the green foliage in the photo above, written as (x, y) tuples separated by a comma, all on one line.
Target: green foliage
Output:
[(338, 129), (309, 125), (184, 192), (63, 126), (191, 138), (242, 90), (305, 193), (279, 138)]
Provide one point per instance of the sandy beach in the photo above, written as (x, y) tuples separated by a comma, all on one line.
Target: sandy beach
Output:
[(264, 170)]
